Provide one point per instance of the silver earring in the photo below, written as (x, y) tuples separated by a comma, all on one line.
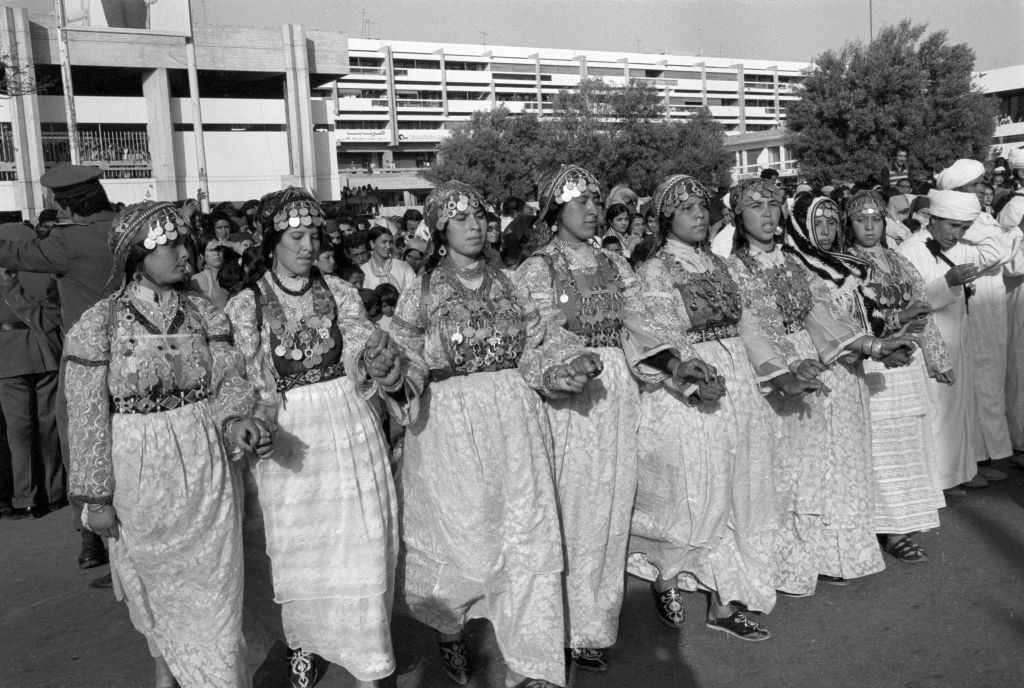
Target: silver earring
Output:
[(442, 251)]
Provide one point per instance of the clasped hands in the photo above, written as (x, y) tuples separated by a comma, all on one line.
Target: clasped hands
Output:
[(383, 359), (710, 385), (914, 317), (573, 376)]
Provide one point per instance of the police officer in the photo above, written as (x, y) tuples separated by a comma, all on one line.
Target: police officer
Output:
[(31, 346), (78, 255)]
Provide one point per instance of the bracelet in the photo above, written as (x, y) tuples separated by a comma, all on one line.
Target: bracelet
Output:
[(397, 386), (876, 348), (97, 508)]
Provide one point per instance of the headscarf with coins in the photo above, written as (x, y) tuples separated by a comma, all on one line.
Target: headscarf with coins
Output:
[(840, 269), (674, 192), (151, 223), (864, 202), (291, 207), (561, 186), (446, 201), (749, 192)]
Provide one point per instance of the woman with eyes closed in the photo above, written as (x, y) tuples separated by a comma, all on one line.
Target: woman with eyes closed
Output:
[(594, 295), (847, 546), (792, 307), (705, 514), (479, 517), (907, 493), (325, 495)]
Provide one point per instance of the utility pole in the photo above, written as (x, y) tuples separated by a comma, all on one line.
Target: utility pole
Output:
[(69, 90), (871, 22), (483, 37)]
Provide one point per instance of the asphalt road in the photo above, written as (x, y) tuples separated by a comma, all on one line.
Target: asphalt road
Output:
[(955, 621)]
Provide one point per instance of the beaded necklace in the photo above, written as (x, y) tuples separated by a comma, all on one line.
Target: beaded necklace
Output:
[(599, 311), (291, 292), (789, 285)]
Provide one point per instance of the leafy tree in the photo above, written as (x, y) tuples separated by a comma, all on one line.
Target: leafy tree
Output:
[(904, 90), (617, 132)]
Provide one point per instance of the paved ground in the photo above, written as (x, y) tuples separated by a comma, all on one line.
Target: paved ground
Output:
[(956, 621)]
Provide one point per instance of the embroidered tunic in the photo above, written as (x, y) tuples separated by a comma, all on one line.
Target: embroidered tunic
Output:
[(149, 383), (592, 294), (706, 504), (325, 498), (907, 493), (479, 519), (793, 310)]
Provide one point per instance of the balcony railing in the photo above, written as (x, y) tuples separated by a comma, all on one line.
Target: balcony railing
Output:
[(120, 153)]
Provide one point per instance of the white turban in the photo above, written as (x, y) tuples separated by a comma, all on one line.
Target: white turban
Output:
[(960, 173), (1015, 159), (955, 205), (1012, 213)]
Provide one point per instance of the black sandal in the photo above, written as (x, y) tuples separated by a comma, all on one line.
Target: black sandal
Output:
[(306, 668), (669, 605), (907, 551)]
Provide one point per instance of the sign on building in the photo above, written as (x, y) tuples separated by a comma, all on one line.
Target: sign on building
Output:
[(151, 16)]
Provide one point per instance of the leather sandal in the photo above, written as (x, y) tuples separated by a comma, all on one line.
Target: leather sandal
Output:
[(669, 605), (907, 551)]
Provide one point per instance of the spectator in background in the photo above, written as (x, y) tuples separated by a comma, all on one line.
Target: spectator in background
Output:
[(988, 195), (31, 344), (241, 240), (512, 208), (415, 253), (220, 225), (211, 260), (617, 221), (352, 274), (413, 218), (897, 170), (357, 247), (897, 210), (325, 261), (382, 266), (78, 254), (371, 304), (611, 243), (388, 297), (45, 223), (650, 219)]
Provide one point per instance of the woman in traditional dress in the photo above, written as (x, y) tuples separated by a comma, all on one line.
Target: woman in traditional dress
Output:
[(152, 381), (792, 307), (847, 546), (326, 495), (705, 511), (892, 302), (479, 517), (591, 293)]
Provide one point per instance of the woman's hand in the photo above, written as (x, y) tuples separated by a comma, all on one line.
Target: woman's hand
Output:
[(693, 371), (809, 369), (383, 359), (915, 311), (890, 346), (253, 436), (711, 391), (587, 365), (790, 385), (946, 378), (898, 358), (103, 521)]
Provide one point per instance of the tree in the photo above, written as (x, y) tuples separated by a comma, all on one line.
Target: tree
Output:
[(903, 90), (619, 133)]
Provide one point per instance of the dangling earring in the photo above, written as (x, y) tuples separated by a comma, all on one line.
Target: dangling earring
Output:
[(442, 250)]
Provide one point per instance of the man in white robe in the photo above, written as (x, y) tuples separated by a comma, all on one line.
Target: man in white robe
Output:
[(949, 254), (1011, 218), (988, 323)]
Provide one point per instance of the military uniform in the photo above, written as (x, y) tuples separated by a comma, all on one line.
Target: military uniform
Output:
[(31, 345), (78, 255)]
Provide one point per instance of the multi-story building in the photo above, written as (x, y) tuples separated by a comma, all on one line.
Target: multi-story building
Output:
[(400, 98), (1007, 84)]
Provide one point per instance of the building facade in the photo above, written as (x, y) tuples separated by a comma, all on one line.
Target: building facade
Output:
[(1007, 84), (261, 126), (400, 98)]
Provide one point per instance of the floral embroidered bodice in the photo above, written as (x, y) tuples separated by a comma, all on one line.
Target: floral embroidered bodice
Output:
[(788, 282), (589, 292), (711, 296)]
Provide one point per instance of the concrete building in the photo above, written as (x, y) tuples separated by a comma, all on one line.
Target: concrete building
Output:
[(400, 98), (261, 126), (1007, 84)]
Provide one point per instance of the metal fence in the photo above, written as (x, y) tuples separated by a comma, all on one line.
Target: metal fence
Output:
[(122, 153), (8, 169)]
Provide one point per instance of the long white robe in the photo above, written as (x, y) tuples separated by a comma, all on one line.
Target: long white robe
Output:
[(1013, 275), (954, 407), (988, 350)]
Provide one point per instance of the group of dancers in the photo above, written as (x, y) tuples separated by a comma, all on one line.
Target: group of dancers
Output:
[(742, 426)]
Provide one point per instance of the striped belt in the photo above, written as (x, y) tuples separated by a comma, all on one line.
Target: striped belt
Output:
[(310, 377), (155, 403), (712, 333), (438, 374)]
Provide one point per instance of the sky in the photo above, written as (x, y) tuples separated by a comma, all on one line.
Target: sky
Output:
[(795, 30)]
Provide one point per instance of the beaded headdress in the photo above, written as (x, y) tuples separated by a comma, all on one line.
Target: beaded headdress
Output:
[(674, 192), (445, 202), (750, 192), (563, 185), (275, 210), (151, 223), (866, 202)]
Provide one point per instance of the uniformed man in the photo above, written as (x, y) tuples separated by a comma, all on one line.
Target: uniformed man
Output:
[(78, 255), (31, 346)]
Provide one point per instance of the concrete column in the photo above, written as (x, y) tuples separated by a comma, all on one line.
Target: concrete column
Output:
[(741, 92), (703, 83), (389, 71), (540, 90), (16, 41), (298, 106), (444, 81), (160, 130), (775, 85)]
